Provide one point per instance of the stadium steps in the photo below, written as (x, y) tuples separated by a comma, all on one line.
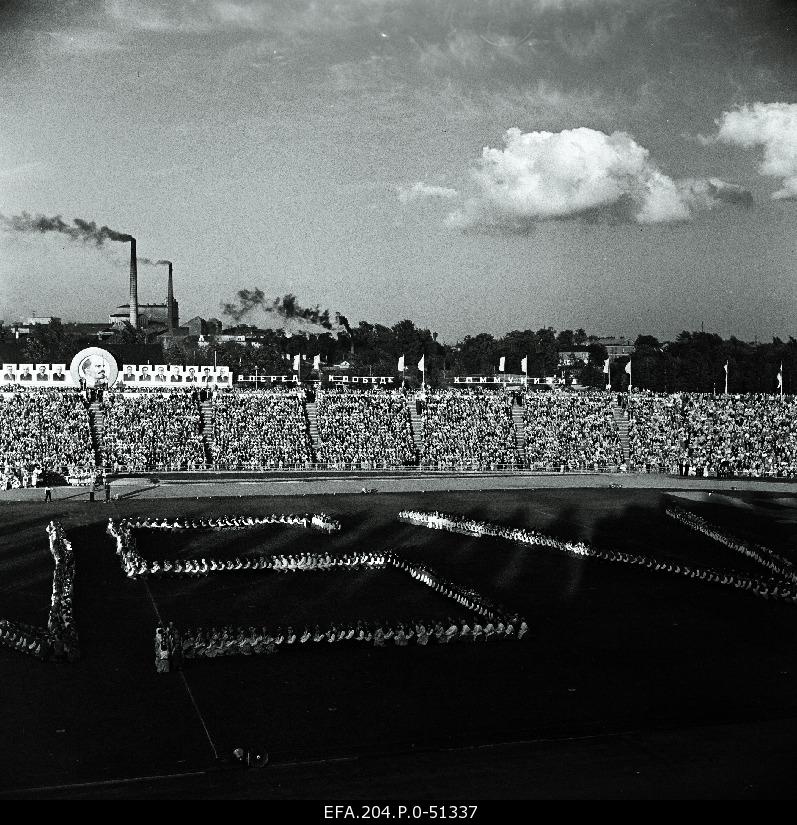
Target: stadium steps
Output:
[(520, 429), (97, 425), (417, 424), (312, 427), (206, 419), (621, 419)]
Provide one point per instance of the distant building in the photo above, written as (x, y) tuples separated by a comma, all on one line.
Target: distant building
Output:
[(616, 347), (570, 358), (178, 334), (41, 321), (200, 327), (148, 314)]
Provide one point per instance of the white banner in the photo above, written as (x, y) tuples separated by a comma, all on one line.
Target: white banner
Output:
[(174, 376)]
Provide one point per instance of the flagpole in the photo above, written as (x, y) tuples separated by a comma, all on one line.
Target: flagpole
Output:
[(726, 378)]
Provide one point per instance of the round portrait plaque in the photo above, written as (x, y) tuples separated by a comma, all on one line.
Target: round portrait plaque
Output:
[(97, 367)]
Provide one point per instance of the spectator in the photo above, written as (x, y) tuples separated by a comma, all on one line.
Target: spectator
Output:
[(468, 429), (260, 429), (153, 431), (366, 430), (44, 428), (571, 431)]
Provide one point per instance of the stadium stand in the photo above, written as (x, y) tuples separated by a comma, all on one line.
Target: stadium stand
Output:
[(44, 429), (454, 429), (368, 430), (571, 431), (152, 431), (260, 429), (654, 432), (739, 435), (468, 430)]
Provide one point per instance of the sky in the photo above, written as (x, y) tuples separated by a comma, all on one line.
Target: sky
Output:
[(625, 166)]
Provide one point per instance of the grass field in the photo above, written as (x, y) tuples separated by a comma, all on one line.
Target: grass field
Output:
[(611, 648)]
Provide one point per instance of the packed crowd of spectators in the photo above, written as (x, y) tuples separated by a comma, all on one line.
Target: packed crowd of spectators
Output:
[(571, 431), (43, 431), (468, 430), (738, 435), (654, 423), (368, 430), (260, 429), (152, 431), (713, 435)]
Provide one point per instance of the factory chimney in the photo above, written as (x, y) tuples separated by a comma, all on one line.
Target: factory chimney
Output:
[(170, 302), (133, 285)]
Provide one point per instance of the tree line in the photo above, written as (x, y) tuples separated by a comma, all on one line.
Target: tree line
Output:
[(694, 362)]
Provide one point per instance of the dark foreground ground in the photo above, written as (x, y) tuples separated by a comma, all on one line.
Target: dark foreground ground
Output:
[(629, 684)]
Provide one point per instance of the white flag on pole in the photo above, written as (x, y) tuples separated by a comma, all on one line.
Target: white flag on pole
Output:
[(401, 364), (524, 364), (628, 368), (780, 376), (726, 368), (317, 362), (606, 366), (296, 362), (422, 364), (502, 364)]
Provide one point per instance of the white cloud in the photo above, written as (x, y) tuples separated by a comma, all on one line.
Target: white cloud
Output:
[(773, 126), (423, 191), (580, 172), (196, 17)]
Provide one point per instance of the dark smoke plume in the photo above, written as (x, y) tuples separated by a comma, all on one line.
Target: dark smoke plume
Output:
[(151, 262), (78, 230), (287, 311)]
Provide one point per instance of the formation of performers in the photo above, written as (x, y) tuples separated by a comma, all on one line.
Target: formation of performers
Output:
[(763, 556), (136, 566), (778, 587), (172, 647), (486, 621), (316, 521), (59, 640)]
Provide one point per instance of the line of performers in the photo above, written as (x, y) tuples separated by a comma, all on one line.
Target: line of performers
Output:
[(59, 640), (317, 521), (763, 556), (771, 587), (172, 647)]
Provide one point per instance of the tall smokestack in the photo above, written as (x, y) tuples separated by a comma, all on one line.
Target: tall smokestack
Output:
[(170, 302), (133, 285)]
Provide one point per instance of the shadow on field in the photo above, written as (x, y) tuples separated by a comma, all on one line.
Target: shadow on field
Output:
[(611, 648)]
